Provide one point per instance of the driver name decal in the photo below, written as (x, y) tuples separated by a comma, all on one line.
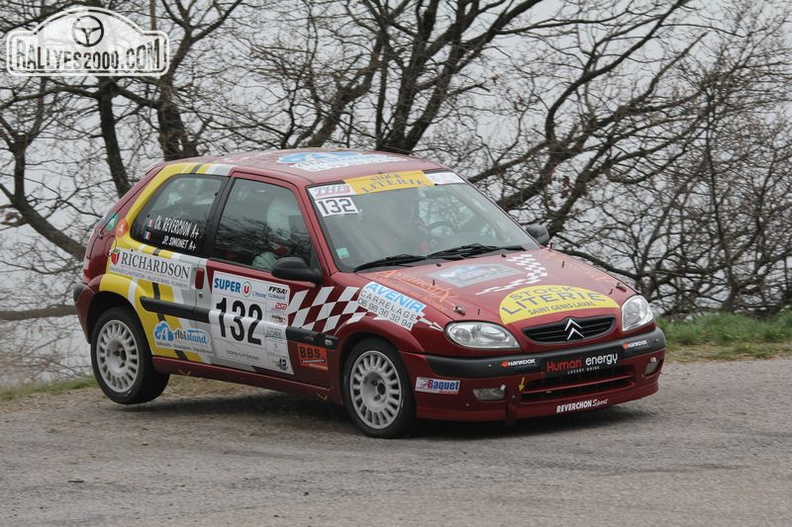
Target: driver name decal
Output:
[(536, 301)]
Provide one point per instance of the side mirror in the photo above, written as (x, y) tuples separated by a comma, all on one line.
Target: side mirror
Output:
[(539, 233), (295, 268)]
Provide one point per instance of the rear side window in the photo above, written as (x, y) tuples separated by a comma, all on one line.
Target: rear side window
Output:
[(175, 217), (260, 224)]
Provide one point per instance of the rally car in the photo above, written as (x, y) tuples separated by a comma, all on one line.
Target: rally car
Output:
[(381, 282)]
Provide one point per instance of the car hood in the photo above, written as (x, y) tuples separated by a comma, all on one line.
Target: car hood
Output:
[(514, 288)]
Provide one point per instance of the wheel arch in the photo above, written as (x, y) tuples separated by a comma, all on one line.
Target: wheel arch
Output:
[(100, 303)]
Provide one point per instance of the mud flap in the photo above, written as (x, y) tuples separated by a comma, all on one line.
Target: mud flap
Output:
[(511, 409)]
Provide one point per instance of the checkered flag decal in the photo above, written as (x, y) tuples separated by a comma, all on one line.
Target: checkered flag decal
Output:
[(534, 273), (328, 310)]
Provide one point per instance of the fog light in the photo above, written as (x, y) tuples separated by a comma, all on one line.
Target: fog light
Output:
[(652, 366), (490, 394)]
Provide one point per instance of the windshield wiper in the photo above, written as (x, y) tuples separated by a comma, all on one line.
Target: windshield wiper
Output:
[(463, 251), (396, 259)]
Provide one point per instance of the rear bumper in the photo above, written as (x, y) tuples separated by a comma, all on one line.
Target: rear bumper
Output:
[(82, 295), (572, 380)]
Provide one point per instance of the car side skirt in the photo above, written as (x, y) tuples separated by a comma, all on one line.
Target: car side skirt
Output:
[(209, 371)]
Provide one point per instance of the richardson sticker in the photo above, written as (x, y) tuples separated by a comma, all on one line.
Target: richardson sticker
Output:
[(145, 266), (427, 385), (312, 356), (581, 364), (318, 161), (383, 182), (187, 339), (541, 300), (391, 305), (462, 275), (581, 405), (248, 321)]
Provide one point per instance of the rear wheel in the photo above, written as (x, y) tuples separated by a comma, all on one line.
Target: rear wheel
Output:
[(377, 390), (121, 359)]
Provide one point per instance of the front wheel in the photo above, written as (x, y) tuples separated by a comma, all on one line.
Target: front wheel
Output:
[(377, 390), (121, 359)]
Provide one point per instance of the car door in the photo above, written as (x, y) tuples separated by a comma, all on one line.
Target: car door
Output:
[(170, 231), (260, 222)]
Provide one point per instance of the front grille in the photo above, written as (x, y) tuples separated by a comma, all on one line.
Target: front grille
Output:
[(577, 384), (570, 329)]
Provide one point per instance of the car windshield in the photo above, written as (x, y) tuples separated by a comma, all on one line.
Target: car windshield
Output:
[(409, 222)]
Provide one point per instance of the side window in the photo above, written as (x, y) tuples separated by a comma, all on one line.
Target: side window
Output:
[(260, 224), (175, 218)]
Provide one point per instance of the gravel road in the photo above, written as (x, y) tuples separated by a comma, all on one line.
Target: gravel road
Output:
[(713, 447)]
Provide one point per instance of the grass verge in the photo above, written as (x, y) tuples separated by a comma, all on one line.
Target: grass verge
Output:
[(7, 394), (728, 336)]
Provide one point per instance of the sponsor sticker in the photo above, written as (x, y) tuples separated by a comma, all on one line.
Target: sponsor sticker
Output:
[(187, 339), (248, 321), (519, 363), (463, 275), (318, 161), (637, 344), (588, 404), (111, 223), (428, 385), (312, 356), (391, 305), (145, 266), (536, 301), (534, 273), (329, 191), (444, 178), (581, 364), (384, 182)]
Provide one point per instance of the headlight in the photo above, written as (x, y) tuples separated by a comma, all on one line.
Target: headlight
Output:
[(480, 335), (635, 313)]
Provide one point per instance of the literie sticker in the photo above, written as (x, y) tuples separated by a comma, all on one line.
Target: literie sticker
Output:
[(384, 182), (541, 300)]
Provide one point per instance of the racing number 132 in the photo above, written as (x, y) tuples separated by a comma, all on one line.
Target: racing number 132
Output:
[(333, 206), (240, 312)]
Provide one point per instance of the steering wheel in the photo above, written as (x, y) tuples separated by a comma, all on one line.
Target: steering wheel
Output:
[(435, 239)]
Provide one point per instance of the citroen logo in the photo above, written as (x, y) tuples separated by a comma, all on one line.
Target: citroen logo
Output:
[(573, 330)]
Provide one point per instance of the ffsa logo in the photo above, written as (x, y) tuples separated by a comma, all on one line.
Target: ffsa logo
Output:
[(87, 41)]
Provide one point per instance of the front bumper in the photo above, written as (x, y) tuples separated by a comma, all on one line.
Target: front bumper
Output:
[(540, 384)]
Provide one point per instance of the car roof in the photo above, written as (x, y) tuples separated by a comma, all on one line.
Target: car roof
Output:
[(308, 166)]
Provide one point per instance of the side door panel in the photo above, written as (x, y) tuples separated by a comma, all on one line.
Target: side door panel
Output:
[(246, 307)]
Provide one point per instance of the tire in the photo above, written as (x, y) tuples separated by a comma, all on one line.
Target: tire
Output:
[(121, 359), (377, 392)]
